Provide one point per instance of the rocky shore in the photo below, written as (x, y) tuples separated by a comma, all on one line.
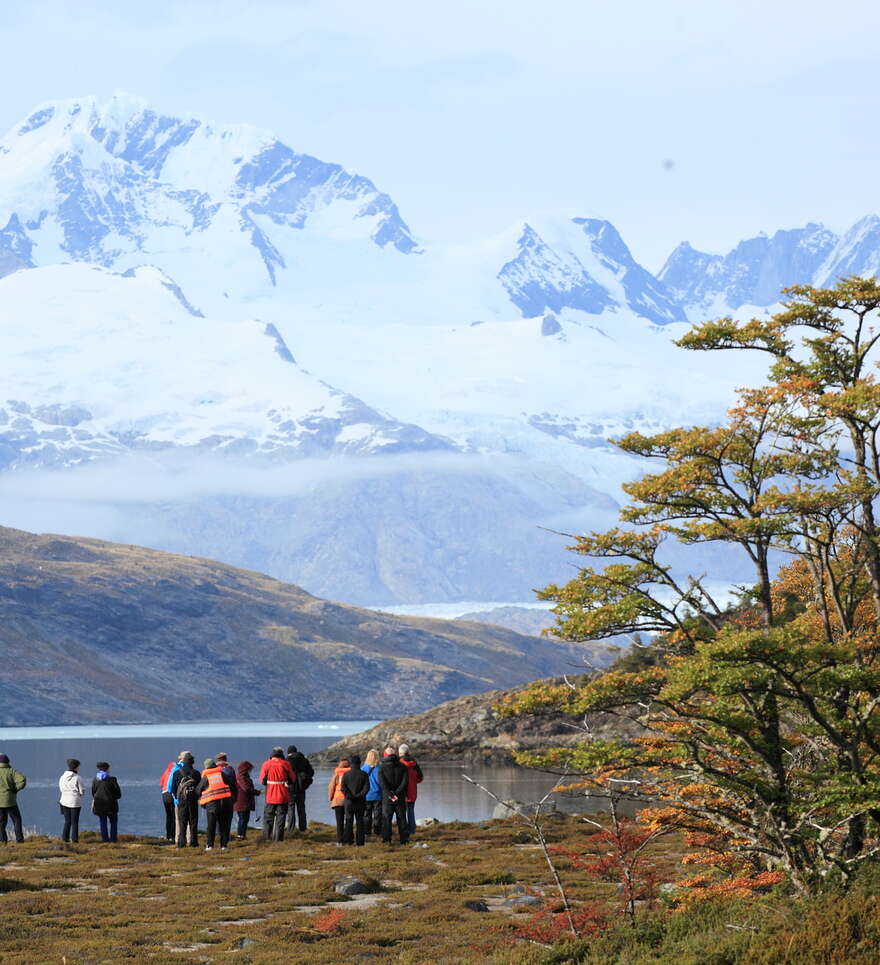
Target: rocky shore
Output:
[(470, 729)]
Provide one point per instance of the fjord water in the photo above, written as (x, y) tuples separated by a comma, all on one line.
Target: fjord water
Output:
[(138, 754)]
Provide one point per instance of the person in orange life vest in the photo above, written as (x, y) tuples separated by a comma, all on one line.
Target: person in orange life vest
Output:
[(216, 796), (412, 788), (336, 795), (277, 776)]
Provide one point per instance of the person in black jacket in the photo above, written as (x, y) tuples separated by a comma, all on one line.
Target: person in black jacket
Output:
[(105, 801), (184, 789), (305, 774), (393, 781), (355, 785)]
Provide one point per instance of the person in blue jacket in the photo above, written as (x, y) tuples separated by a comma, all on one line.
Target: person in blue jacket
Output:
[(373, 810)]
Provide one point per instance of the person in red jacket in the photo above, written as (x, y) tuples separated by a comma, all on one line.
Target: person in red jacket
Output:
[(412, 788), (277, 776)]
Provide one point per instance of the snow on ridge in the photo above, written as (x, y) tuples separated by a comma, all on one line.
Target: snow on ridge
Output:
[(96, 361)]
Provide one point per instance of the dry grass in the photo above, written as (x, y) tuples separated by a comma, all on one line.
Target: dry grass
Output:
[(142, 900)]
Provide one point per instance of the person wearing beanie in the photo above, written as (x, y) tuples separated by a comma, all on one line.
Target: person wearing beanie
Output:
[(336, 796), (216, 795), (105, 801), (11, 782), (277, 776), (355, 787), (246, 797), (72, 793), (305, 775), (183, 786)]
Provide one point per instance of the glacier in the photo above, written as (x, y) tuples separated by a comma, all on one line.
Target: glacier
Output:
[(217, 344)]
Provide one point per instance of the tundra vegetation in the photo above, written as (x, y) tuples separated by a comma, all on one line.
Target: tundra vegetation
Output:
[(761, 719)]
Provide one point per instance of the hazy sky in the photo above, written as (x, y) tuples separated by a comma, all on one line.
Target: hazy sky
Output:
[(474, 114)]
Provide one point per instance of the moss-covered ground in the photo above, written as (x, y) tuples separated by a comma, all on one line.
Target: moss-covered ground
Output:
[(143, 900)]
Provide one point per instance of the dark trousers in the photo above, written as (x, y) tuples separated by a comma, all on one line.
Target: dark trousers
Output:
[(411, 816), (274, 819), (226, 815), (373, 817), (71, 823), (219, 816), (170, 816), (353, 829), (188, 824), (394, 810), (296, 811), (15, 814), (243, 818), (108, 824), (340, 822)]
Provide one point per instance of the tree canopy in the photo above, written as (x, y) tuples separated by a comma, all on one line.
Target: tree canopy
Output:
[(760, 721)]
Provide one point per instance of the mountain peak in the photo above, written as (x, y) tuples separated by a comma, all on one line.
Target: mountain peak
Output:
[(582, 264), (117, 183)]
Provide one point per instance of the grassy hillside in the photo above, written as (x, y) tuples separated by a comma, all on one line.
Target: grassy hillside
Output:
[(92, 631)]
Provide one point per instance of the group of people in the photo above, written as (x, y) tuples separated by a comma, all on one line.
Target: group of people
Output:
[(105, 800), (367, 797), (225, 792)]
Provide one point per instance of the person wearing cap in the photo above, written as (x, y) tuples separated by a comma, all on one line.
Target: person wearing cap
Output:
[(11, 782), (182, 785), (105, 801), (72, 793), (216, 795), (230, 777), (305, 775), (277, 776)]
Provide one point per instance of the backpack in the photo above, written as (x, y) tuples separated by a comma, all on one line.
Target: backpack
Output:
[(305, 773), (186, 789)]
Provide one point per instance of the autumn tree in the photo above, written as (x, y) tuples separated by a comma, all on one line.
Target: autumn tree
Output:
[(760, 722)]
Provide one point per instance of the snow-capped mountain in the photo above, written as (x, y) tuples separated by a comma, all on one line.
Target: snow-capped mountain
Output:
[(97, 363), (751, 274), (181, 302), (583, 264)]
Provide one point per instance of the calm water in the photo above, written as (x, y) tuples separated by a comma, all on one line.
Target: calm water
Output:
[(138, 756)]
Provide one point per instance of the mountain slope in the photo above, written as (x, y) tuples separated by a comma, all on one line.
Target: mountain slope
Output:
[(96, 364), (94, 631)]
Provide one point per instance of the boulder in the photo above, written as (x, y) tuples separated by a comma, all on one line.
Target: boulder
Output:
[(523, 901), (476, 905), (350, 885), (426, 822)]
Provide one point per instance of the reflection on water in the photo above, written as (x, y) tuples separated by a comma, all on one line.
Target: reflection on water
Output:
[(138, 763)]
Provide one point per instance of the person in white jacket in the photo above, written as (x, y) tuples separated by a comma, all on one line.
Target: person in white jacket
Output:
[(72, 794)]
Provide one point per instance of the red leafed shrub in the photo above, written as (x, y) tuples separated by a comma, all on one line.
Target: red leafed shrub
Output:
[(547, 927), (329, 921)]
